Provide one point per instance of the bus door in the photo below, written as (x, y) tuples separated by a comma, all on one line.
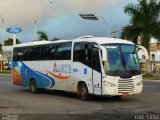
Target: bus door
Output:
[(96, 71)]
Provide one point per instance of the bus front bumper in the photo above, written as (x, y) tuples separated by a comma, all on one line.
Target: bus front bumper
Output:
[(118, 90)]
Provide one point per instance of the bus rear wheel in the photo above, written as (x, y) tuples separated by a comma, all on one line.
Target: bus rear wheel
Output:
[(33, 86), (84, 95)]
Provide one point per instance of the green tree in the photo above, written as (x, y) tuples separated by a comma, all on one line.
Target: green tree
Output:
[(144, 21), (10, 42), (0, 48), (54, 39), (42, 35)]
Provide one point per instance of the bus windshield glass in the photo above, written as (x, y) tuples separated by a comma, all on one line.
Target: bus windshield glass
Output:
[(122, 60)]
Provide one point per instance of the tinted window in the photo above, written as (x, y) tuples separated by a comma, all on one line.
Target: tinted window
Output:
[(44, 52), (51, 52), (63, 51), (83, 53), (60, 52), (14, 54), (20, 54), (34, 53), (96, 60)]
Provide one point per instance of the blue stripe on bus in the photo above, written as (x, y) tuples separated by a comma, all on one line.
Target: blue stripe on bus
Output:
[(42, 80), (52, 80)]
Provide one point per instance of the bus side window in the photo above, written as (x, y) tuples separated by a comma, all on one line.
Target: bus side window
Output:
[(20, 55), (45, 52), (37, 53), (79, 53), (51, 53), (76, 54), (59, 51), (83, 53), (25, 57), (15, 55), (63, 51), (96, 60), (67, 51), (88, 54), (31, 54)]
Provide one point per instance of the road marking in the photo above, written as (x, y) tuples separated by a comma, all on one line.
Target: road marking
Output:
[(156, 93)]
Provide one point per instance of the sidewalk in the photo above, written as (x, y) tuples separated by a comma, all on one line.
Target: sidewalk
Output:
[(156, 74), (152, 76), (2, 74), (144, 80)]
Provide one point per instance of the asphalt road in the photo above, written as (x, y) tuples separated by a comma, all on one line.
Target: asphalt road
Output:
[(49, 104)]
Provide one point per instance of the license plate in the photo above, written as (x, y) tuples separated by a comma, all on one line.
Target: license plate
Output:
[(125, 94)]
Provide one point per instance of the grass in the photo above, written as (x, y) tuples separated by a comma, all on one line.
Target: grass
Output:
[(5, 72)]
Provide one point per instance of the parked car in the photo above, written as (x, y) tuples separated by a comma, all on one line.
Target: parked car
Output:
[(7, 68)]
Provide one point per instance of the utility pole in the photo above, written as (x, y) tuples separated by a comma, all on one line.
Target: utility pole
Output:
[(3, 32), (105, 23), (1, 61), (35, 30)]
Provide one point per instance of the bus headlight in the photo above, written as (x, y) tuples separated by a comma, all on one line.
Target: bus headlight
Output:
[(108, 84), (140, 83), (139, 77)]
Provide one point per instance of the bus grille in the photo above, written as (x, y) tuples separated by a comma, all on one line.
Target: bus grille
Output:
[(125, 86)]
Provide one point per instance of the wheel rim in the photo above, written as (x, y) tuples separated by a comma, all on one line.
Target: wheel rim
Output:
[(83, 92), (32, 87)]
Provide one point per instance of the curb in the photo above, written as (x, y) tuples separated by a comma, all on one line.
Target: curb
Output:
[(6, 74), (151, 80)]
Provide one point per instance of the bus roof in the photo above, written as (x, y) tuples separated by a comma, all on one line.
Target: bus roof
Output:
[(104, 40), (33, 43), (99, 40)]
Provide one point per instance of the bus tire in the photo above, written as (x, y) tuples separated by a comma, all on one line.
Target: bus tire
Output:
[(33, 86), (84, 95)]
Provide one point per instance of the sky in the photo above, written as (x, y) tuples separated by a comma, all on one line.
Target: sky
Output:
[(60, 19)]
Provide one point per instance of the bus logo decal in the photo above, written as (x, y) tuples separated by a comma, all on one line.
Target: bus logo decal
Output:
[(62, 68), (58, 76)]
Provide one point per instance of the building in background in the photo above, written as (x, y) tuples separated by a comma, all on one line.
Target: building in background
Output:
[(6, 58), (155, 56), (155, 51)]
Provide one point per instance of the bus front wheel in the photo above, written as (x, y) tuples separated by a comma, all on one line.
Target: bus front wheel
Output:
[(84, 95), (33, 86)]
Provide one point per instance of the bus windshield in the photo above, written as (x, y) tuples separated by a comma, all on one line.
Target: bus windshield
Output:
[(122, 60)]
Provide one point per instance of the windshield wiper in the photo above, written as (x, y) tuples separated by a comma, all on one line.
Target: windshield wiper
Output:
[(117, 69)]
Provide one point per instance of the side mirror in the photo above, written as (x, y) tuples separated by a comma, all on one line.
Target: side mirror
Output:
[(104, 53)]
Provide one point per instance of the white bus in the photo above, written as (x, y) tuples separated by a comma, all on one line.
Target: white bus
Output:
[(86, 65)]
